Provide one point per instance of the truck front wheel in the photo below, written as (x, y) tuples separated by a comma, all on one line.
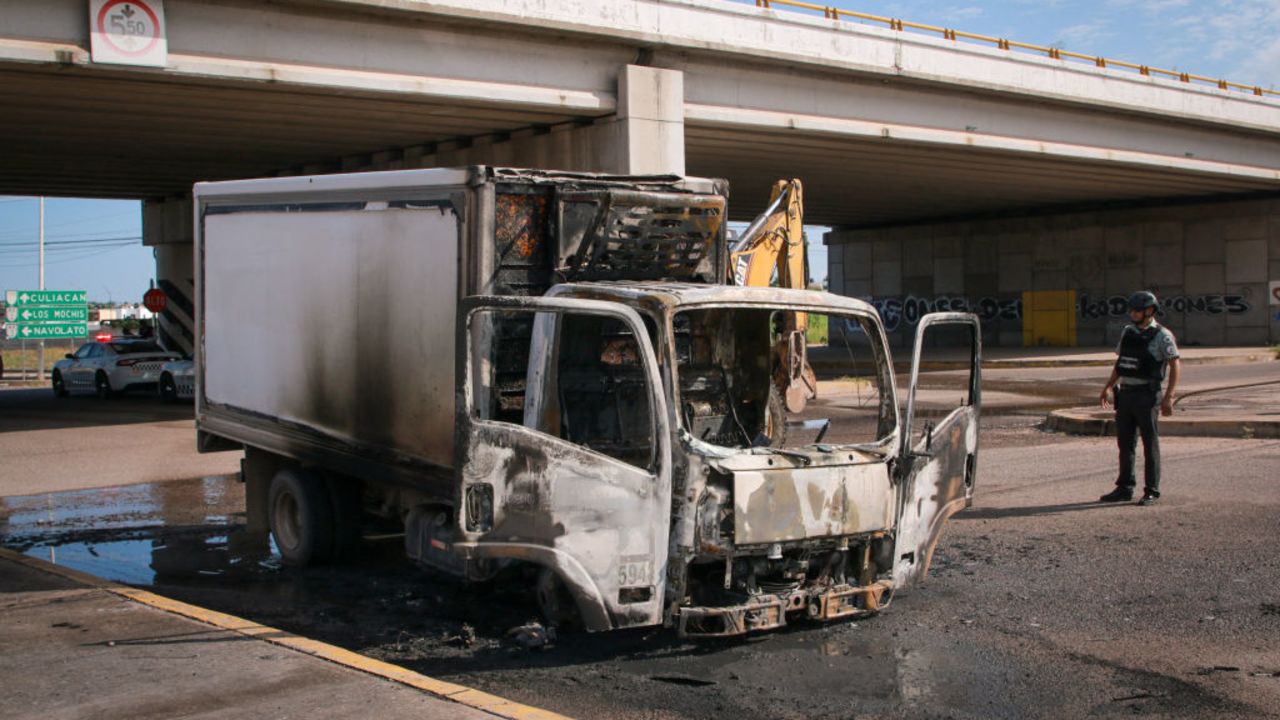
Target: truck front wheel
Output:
[(301, 517), (554, 600)]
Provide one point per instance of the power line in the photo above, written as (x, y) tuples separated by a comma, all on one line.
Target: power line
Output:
[(77, 246), (65, 250), (63, 260), (68, 236), (81, 241)]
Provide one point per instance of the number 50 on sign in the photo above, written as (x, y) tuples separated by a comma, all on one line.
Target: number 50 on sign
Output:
[(128, 32)]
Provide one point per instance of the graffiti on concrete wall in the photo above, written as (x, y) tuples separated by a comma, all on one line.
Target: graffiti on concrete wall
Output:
[(896, 312), (1088, 308), (907, 311)]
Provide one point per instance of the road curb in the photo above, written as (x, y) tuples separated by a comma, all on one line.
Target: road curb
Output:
[(835, 367), (1102, 423), (470, 697)]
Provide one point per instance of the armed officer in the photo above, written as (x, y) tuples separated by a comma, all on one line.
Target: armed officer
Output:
[(1147, 354)]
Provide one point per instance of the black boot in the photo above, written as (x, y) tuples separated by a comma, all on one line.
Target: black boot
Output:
[(1148, 498), (1117, 495)]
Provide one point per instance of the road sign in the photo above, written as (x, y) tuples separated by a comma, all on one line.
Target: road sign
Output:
[(47, 314), (155, 300), (45, 331), (128, 32), (46, 297)]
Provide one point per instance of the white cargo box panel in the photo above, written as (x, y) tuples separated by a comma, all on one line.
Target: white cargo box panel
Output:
[(332, 314)]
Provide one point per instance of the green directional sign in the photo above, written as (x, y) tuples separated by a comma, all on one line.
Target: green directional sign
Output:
[(77, 313), (21, 298), (45, 331)]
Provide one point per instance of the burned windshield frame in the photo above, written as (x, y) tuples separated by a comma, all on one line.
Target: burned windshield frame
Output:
[(708, 409)]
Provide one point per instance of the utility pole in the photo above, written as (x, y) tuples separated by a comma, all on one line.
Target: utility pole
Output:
[(40, 352)]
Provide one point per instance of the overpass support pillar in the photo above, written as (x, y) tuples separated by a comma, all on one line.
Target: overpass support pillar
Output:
[(649, 131), (167, 227)]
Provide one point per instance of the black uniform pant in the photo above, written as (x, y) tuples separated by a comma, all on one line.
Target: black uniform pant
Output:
[(1138, 413)]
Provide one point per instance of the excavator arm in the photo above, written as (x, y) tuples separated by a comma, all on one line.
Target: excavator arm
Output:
[(773, 246)]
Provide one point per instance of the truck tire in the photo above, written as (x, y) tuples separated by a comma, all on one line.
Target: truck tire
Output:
[(556, 604), (301, 517), (346, 503)]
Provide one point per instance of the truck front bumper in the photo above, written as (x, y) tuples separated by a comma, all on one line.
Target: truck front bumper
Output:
[(768, 612)]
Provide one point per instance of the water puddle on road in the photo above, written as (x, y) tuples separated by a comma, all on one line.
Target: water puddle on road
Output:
[(139, 534)]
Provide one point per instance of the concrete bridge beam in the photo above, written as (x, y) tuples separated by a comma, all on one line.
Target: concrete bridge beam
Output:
[(644, 136)]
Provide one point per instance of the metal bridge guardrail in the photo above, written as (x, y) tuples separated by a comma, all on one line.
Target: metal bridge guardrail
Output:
[(833, 13)]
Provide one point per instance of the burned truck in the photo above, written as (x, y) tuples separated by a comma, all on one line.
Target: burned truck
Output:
[(548, 370)]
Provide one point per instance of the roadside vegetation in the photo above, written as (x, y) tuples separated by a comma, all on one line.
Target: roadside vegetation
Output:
[(817, 332), (16, 359)]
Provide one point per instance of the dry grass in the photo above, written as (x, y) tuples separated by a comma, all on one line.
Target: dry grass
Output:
[(17, 359)]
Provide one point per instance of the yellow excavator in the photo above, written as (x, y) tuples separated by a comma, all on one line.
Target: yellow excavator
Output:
[(772, 252)]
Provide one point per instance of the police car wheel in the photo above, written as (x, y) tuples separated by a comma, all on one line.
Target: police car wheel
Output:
[(168, 389), (102, 385)]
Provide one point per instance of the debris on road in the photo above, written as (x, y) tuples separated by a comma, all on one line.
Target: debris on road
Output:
[(532, 635), (466, 637)]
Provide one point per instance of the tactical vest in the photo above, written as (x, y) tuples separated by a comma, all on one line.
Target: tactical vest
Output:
[(1136, 359)]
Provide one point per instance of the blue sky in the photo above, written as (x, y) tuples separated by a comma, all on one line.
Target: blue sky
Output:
[(91, 245), (1238, 40)]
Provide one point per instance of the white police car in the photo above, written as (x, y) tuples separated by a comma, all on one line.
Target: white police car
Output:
[(178, 380), (111, 364)]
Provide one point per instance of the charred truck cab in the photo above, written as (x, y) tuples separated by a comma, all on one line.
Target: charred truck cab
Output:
[(547, 368)]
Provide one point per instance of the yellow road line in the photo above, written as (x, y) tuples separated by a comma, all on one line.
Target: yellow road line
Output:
[(449, 691)]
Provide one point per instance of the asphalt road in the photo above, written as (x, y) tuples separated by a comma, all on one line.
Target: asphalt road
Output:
[(1040, 603), (49, 444)]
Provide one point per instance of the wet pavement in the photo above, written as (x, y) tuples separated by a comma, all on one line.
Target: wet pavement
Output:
[(1040, 603)]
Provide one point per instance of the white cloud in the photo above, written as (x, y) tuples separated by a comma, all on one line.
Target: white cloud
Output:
[(1084, 36), (1260, 67), (968, 12)]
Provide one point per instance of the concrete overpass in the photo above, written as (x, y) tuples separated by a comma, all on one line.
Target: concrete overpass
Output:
[(888, 128)]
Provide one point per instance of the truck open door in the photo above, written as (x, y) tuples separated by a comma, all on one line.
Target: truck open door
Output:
[(564, 452), (939, 451)]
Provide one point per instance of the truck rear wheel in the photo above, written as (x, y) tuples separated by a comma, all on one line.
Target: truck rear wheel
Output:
[(301, 517)]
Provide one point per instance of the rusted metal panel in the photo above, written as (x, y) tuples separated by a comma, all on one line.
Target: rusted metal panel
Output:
[(937, 473), (600, 523), (634, 235), (779, 505)]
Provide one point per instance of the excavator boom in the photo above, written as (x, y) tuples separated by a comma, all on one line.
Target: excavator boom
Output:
[(773, 246)]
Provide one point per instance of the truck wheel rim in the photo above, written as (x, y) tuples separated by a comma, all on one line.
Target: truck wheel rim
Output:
[(286, 521)]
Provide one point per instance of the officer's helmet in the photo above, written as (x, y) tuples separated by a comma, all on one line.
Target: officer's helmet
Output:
[(1142, 300)]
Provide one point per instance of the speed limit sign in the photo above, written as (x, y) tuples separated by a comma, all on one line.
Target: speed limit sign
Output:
[(128, 32)]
